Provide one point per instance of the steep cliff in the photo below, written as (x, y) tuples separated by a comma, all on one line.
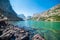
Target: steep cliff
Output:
[(6, 10), (53, 14)]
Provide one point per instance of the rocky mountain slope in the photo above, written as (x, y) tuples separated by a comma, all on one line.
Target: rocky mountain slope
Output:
[(6, 10), (53, 14)]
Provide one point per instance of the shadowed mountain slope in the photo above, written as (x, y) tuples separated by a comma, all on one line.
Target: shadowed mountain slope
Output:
[(6, 10)]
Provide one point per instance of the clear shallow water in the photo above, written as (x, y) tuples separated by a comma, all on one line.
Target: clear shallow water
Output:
[(48, 30)]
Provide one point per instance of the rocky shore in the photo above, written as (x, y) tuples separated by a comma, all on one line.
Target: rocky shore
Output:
[(11, 32)]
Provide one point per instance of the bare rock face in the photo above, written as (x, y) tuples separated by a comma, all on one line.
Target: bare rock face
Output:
[(53, 14), (6, 10)]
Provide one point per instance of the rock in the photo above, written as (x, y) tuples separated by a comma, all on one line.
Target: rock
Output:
[(37, 37), (14, 33)]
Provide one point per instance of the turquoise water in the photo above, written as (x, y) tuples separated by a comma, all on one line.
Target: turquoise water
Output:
[(39, 24), (48, 30)]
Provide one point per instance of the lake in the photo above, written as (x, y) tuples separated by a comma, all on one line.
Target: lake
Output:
[(48, 30)]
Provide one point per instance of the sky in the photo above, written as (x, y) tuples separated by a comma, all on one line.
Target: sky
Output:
[(30, 7)]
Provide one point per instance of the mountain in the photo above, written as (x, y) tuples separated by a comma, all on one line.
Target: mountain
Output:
[(6, 10), (22, 16), (53, 14), (28, 17)]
